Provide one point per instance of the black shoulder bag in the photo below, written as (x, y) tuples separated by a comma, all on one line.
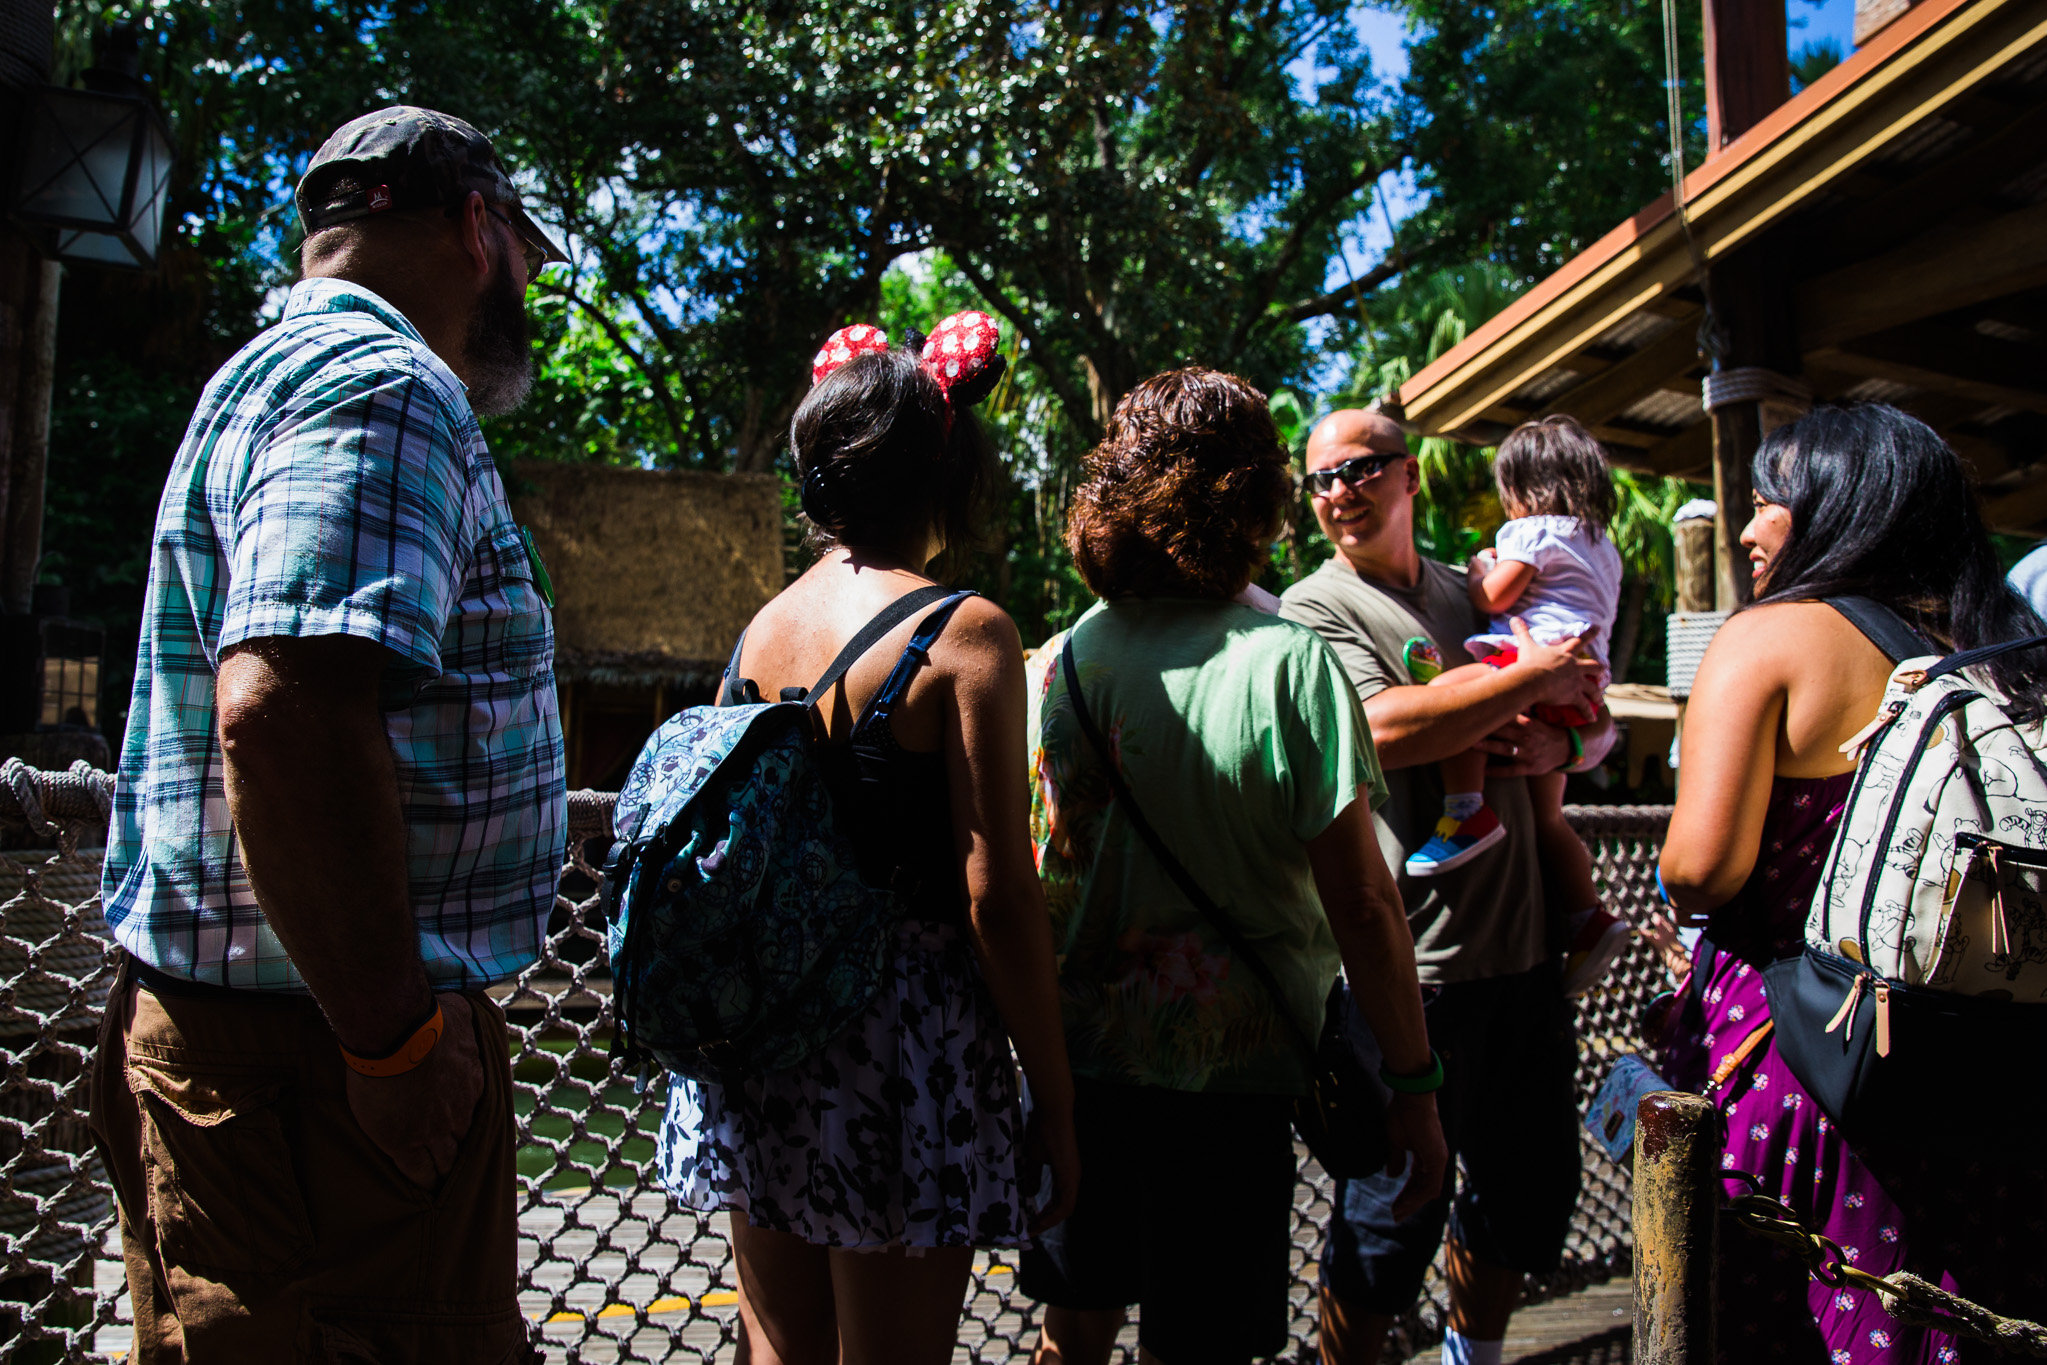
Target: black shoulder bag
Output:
[(1343, 1117)]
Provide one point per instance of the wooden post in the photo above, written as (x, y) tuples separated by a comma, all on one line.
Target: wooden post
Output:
[(1748, 70), (1676, 1223), (1752, 291), (28, 346), (1693, 540), (1737, 431)]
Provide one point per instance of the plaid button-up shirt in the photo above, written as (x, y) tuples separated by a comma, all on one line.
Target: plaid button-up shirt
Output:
[(333, 482)]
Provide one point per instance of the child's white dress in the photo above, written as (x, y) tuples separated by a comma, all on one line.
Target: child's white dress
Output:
[(1577, 585)]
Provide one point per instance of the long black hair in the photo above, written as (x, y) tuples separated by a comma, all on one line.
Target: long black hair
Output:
[(882, 457), (1881, 507)]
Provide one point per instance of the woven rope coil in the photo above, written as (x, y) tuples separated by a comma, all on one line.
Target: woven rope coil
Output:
[(1751, 384)]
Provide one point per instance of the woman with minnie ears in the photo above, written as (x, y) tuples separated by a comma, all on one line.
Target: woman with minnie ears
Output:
[(860, 1182)]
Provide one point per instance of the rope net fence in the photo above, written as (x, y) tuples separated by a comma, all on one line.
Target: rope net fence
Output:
[(610, 1269)]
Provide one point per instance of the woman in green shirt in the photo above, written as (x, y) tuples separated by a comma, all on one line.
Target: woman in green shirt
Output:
[(1245, 746)]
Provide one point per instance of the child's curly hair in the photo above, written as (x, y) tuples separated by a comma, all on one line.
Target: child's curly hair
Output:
[(1184, 493)]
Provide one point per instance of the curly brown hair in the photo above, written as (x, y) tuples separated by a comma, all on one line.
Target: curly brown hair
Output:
[(1184, 493)]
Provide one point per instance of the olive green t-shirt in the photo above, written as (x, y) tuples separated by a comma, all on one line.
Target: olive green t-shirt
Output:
[(1241, 739), (1485, 919)]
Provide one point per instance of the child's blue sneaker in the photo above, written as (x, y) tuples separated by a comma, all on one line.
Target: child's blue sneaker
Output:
[(1457, 842)]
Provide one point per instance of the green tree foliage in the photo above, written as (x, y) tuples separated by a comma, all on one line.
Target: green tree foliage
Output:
[(1544, 122), (1128, 188)]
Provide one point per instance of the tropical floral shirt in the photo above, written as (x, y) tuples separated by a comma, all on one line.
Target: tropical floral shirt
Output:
[(1241, 738)]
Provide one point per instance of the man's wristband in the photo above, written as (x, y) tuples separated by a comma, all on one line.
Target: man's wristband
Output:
[(1577, 748), (408, 1054), (1428, 1082)]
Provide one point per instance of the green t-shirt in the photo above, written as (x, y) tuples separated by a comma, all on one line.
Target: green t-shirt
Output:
[(1241, 739), (1485, 919)]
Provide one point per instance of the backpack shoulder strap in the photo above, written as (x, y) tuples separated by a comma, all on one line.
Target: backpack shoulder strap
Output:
[(886, 620), (1882, 627), (733, 693), (915, 655)]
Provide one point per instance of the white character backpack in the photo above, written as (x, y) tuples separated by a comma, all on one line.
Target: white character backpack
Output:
[(1924, 976)]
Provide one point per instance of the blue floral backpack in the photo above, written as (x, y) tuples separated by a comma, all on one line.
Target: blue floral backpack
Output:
[(743, 934)]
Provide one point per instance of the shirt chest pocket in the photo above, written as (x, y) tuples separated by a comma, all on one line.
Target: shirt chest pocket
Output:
[(518, 628)]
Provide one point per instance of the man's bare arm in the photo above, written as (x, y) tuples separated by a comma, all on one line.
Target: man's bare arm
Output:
[(314, 795), (1420, 724)]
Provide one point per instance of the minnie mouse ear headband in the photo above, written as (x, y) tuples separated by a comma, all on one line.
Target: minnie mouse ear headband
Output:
[(961, 354)]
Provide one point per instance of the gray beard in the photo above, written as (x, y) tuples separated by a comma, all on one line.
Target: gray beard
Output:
[(500, 356)]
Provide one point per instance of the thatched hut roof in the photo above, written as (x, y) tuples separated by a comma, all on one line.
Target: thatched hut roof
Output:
[(655, 572)]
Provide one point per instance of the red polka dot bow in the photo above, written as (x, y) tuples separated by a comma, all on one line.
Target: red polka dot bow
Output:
[(962, 353)]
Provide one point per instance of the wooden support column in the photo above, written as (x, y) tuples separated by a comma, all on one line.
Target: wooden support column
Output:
[(1748, 70), (1758, 327), (28, 352), (1737, 432), (1693, 539), (1676, 1222)]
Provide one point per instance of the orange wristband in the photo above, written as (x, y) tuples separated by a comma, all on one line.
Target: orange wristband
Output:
[(410, 1053)]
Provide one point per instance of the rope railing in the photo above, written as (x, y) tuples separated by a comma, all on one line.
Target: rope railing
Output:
[(610, 1269)]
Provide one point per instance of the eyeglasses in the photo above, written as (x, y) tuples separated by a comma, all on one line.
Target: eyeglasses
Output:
[(536, 255), (1361, 469)]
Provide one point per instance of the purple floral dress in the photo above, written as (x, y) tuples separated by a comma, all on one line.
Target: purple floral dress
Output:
[(1977, 1227)]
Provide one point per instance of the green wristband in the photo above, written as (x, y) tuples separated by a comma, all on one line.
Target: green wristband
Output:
[(1577, 747), (1427, 1083)]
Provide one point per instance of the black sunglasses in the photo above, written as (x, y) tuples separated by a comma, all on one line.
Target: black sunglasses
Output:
[(536, 255), (1362, 469)]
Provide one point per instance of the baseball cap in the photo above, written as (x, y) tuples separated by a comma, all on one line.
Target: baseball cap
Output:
[(409, 158)]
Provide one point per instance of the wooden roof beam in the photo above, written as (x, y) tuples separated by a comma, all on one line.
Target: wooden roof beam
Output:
[(1611, 392), (1687, 454), (1987, 459), (1938, 51), (2021, 510), (1975, 362), (1935, 273), (1951, 360), (1908, 208)]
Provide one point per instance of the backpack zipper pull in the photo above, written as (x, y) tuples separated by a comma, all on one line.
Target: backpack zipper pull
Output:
[(1847, 1011), (640, 1081), (1884, 716), (2000, 932), (1883, 1018)]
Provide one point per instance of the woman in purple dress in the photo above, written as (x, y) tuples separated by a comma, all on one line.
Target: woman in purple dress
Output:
[(1866, 502)]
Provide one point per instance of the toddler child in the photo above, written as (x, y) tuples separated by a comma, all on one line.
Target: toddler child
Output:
[(1554, 567)]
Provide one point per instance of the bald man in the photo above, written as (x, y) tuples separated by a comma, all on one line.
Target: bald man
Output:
[(1489, 968)]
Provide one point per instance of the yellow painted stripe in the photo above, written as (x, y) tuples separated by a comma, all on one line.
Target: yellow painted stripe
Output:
[(677, 1304)]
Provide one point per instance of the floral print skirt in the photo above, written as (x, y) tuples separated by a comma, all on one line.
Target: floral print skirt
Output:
[(902, 1132), (1976, 1227)]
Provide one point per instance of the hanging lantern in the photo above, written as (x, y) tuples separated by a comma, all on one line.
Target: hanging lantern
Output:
[(95, 165)]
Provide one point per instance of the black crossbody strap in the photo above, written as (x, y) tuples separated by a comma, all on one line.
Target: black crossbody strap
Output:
[(1882, 627), (890, 616), (1182, 878)]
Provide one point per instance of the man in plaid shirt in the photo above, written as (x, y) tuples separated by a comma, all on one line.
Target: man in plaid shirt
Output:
[(341, 812)]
